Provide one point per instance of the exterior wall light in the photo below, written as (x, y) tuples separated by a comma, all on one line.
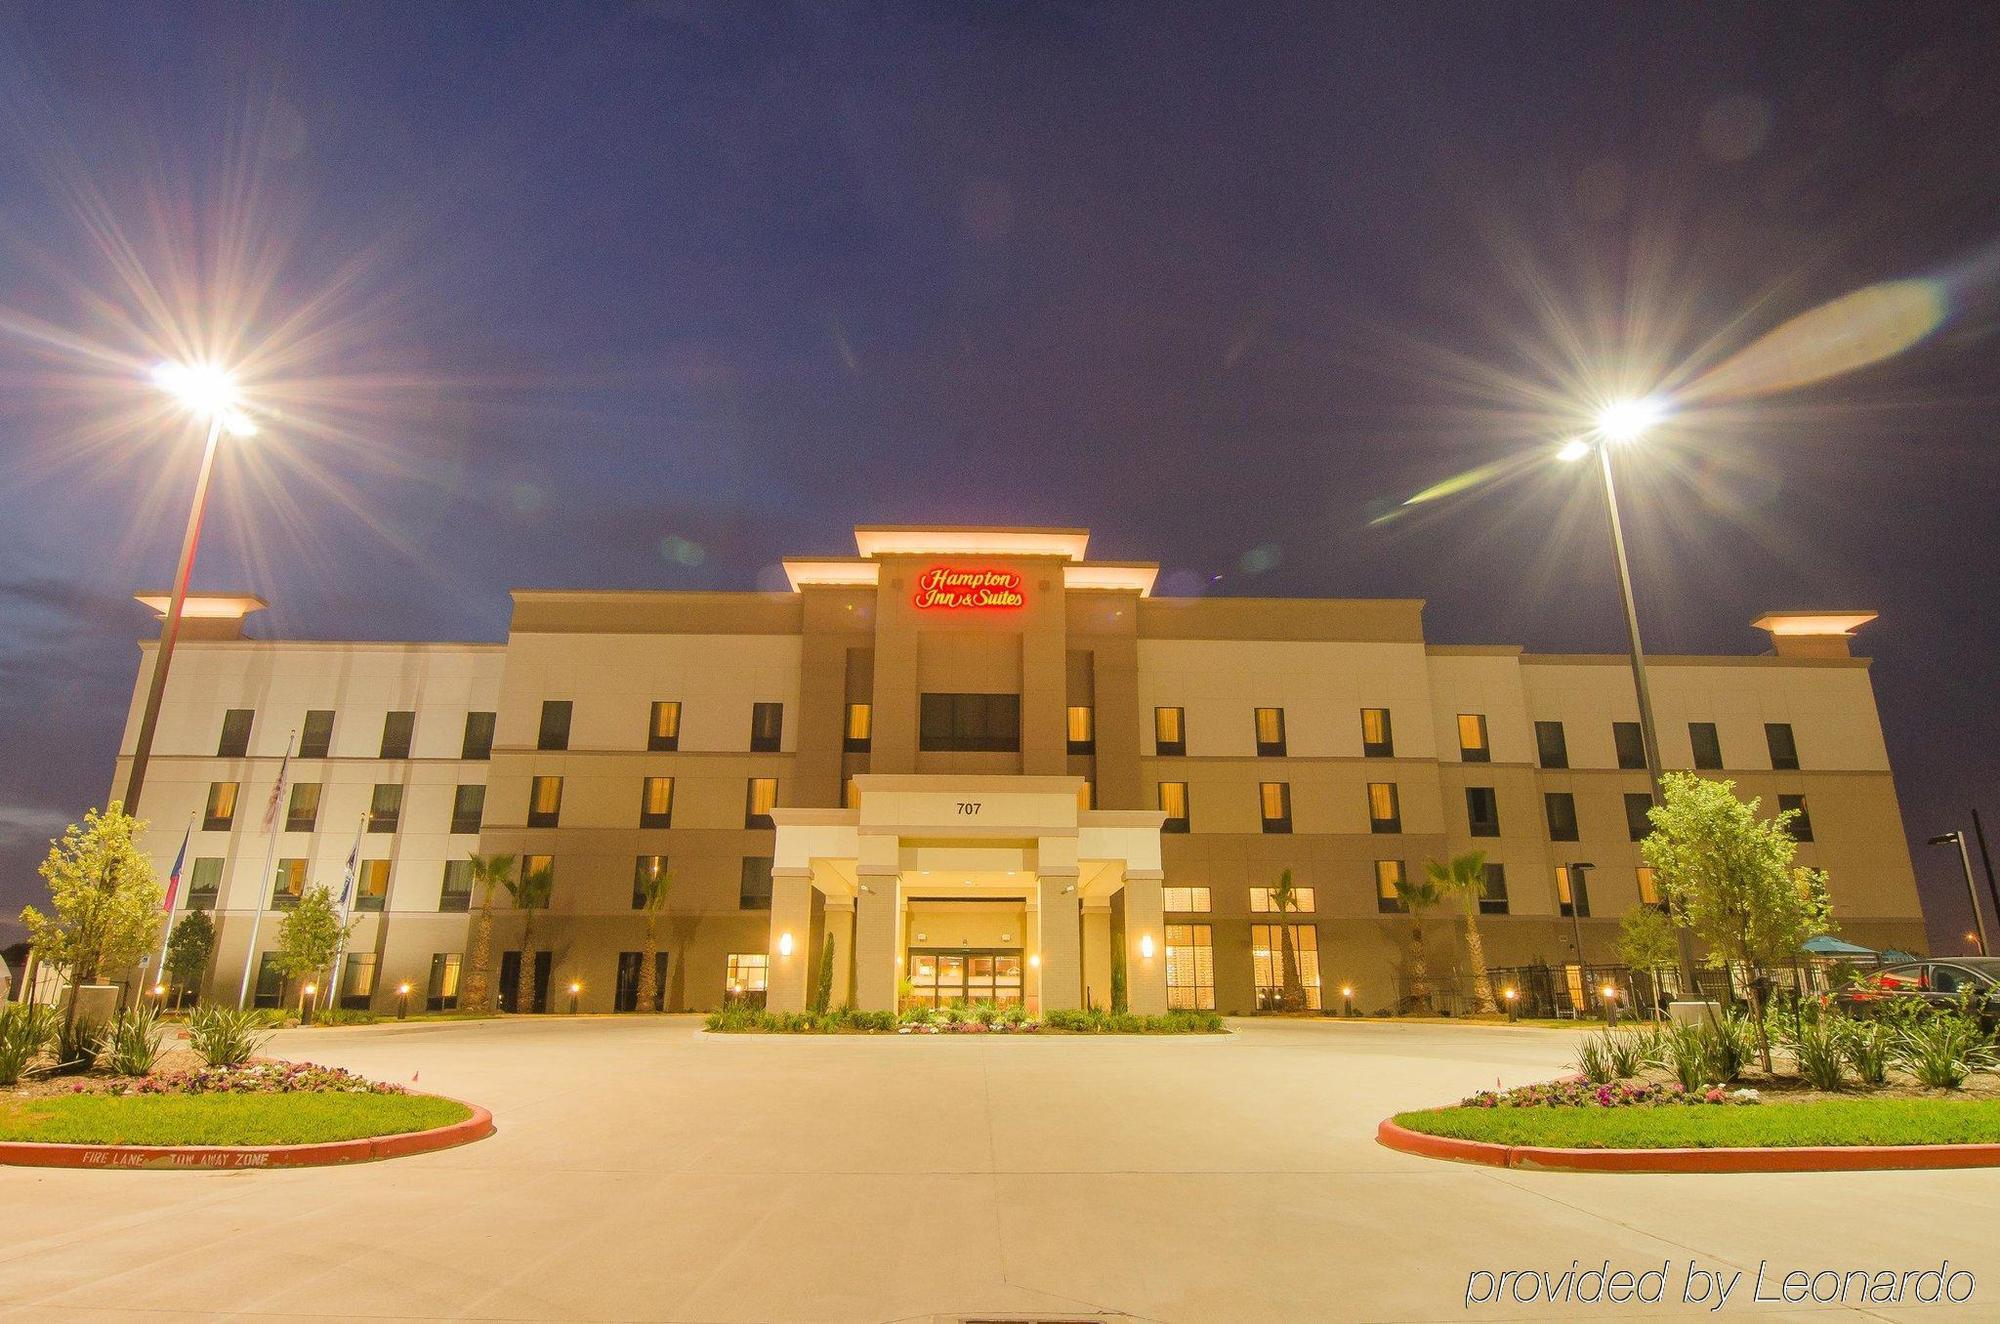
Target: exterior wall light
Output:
[(1146, 946), (785, 944), (1035, 961)]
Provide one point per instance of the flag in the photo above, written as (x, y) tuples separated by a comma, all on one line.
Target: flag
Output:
[(353, 864), (174, 878), (278, 790)]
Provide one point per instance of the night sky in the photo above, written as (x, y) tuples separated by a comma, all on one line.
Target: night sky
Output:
[(651, 296)]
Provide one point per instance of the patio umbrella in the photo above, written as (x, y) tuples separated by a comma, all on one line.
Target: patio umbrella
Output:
[(1891, 956), (1830, 946)]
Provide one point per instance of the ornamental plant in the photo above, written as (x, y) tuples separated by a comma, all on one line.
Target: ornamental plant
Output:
[(312, 935), (225, 1036), (188, 948), (133, 1043), (24, 1030), (104, 903)]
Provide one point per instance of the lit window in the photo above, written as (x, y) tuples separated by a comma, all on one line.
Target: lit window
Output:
[(1169, 731), (647, 870), (656, 802), (545, 802), (1174, 804), (1472, 746), (541, 864), (442, 993), (1389, 878), (1385, 810), (221, 811), (1184, 898), (371, 886), (302, 810), (1261, 901), (860, 727), (1082, 729), (664, 731), (1190, 967), (385, 807), (1086, 795), (850, 794), (1649, 885), (1378, 739), (455, 893), (204, 883), (760, 797), (357, 980), (1271, 732), (289, 884), (1276, 801), (745, 976), (1266, 956), (1572, 881)]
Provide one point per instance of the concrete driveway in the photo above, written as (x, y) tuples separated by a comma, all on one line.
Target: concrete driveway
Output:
[(644, 1171)]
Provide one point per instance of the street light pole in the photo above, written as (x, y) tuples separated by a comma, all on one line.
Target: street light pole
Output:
[(1971, 889), (156, 689), (1648, 733)]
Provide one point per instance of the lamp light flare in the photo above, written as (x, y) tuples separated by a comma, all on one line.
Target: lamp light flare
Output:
[(1628, 420), (202, 387), (1574, 449)]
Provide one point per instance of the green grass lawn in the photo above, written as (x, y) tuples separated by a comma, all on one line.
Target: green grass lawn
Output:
[(1830, 1122), (222, 1119)]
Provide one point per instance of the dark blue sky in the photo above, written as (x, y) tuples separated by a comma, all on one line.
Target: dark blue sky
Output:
[(654, 295)]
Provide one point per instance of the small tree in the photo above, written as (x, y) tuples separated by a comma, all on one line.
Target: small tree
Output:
[(651, 891), (188, 948), (1646, 942), (823, 990), (1730, 874), (104, 898), (531, 892), (311, 935), (488, 872), (1291, 987), (1464, 877), (1418, 895)]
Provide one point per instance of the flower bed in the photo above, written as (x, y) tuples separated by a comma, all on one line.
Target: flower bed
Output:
[(255, 1078), (976, 1018), (1576, 1092)]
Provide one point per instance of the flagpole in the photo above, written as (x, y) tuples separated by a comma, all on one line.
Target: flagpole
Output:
[(270, 857), (173, 904), (347, 887)]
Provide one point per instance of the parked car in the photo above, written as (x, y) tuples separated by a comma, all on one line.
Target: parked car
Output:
[(1962, 980)]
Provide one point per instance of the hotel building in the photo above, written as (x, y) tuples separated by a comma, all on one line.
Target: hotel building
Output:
[(982, 765)]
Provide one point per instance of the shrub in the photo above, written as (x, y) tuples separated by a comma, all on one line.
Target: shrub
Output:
[(1820, 1046), (1943, 1049), (75, 1044), (133, 1043), (225, 1037), (1870, 1048), (985, 1012), (1686, 1054), (24, 1031), (1593, 1059), (1626, 1050), (919, 1015), (1733, 1042)]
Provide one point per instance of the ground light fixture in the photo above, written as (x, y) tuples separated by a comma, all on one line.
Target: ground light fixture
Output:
[(403, 1000), (576, 991), (1513, 1000), (1956, 838), (307, 996), (1608, 996), (1347, 999)]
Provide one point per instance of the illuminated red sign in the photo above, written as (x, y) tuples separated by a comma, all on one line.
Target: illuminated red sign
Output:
[(948, 588)]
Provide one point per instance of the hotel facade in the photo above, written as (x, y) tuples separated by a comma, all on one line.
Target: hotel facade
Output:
[(981, 765)]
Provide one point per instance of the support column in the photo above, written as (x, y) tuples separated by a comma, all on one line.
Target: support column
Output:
[(878, 931), (791, 924), (1145, 926), (1057, 941), (840, 923), (1097, 952)]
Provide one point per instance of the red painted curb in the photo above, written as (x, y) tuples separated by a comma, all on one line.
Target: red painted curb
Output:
[(31, 1154), (1798, 1158)]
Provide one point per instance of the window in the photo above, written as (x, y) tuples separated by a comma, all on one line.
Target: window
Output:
[(1801, 826), (442, 992), (372, 886), (1784, 750), (767, 727), (1261, 901), (1561, 809), (1170, 732), (288, 885), (385, 807), (1086, 795), (850, 794), (1082, 729), (744, 977), (468, 806), (663, 731), (221, 811), (357, 980), (1389, 879), (656, 802), (760, 797), (1472, 746), (302, 810), (235, 741), (1572, 891), (1271, 732), (1493, 900), (753, 892), (1550, 746), (1190, 968), (625, 996), (1707, 746), (397, 728), (1385, 808), (1378, 738), (1482, 811), (545, 801), (1266, 953), (1649, 885), (534, 864), (969, 723), (1631, 744), (316, 739), (204, 882), (270, 982), (646, 870), (1184, 898), (860, 728), (1174, 804), (455, 896), (554, 730), (478, 742), (1276, 801), (1638, 805)]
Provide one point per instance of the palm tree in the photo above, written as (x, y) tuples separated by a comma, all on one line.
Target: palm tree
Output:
[(531, 893), (1464, 877), (1291, 988), (488, 872), (1418, 895), (651, 893)]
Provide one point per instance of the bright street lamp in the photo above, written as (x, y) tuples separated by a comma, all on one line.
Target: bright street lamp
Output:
[(1971, 892), (208, 392), (1623, 422)]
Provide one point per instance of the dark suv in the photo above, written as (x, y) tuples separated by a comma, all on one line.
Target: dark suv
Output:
[(1972, 981)]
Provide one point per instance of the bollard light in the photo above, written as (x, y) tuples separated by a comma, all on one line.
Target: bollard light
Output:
[(1609, 996), (575, 988), (1513, 997), (306, 1004), (1347, 999), (403, 1000)]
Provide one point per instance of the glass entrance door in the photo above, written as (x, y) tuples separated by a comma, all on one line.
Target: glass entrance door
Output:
[(941, 976)]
